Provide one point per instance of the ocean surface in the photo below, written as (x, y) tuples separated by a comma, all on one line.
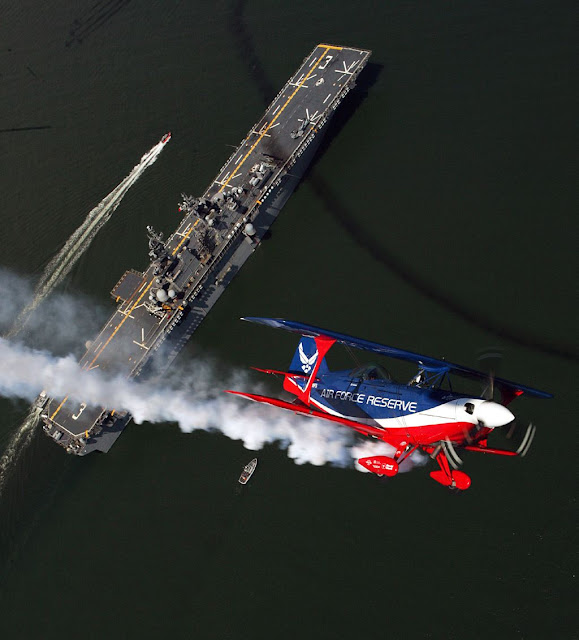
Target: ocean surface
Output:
[(440, 216)]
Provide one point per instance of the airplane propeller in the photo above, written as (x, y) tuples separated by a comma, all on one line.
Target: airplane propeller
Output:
[(527, 440), (489, 392), (489, 360), (452, 456), (471, 434)]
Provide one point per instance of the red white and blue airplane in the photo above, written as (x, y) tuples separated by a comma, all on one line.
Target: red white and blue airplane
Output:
[(419, 415)]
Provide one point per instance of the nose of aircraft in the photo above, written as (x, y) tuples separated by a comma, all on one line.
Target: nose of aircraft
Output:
[(492, 414)]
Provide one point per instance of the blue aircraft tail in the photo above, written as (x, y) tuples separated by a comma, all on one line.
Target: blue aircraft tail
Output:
[(305, 358)]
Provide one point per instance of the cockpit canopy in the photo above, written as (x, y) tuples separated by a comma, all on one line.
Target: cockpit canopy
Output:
[(371, 372)]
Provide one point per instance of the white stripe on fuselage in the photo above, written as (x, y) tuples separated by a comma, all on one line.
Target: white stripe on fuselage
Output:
[(441, 414), (445, 413)]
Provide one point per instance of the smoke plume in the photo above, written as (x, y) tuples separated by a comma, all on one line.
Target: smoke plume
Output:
[(64, 324), (63, 262), (198, 403)]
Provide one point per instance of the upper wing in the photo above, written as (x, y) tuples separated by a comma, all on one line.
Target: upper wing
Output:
[(426, 362)]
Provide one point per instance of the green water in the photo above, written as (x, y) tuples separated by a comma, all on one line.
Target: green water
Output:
[(439, 218)]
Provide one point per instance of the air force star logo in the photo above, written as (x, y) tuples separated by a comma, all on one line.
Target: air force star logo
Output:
[(307, 363)]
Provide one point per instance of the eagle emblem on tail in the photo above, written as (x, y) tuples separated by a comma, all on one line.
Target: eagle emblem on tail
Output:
[(307, 363)]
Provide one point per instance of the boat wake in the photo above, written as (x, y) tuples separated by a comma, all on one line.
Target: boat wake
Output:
[(61, 265), (18, 443), (57, 269)]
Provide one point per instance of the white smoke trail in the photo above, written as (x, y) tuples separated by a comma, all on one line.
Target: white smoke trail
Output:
[(62, 327), (197, 404), (60, 266), (64, 324)]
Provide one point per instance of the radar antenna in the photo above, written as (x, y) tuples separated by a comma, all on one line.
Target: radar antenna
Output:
[(157, 247)]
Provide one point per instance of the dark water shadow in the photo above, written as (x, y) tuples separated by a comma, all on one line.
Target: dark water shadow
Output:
[(47, 126), (38, 476), (243, 40), (93, 19)]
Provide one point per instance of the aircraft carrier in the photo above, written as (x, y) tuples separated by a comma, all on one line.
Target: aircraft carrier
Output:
[(164, 305)]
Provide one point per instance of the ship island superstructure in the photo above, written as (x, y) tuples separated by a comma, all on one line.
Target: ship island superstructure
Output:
[(160, 308)]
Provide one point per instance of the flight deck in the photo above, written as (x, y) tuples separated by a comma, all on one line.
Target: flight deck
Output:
[(159, 309)]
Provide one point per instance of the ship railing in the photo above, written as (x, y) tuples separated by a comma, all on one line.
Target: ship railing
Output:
[(262, 122), (165, 328), (253, 209), (291, 81)]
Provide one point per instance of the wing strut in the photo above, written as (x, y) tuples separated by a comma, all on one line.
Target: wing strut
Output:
[(434, 365)]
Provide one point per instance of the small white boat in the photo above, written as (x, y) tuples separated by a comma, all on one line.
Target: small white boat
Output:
[(247, 471)]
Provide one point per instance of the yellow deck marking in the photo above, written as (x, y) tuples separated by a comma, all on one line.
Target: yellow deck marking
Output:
[(327, 48), (298, 87), (90, 364), (185, 236), (120, 324), (126, 315), (58, 408)]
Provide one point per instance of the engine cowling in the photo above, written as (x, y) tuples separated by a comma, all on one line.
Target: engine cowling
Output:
[(380, 465)]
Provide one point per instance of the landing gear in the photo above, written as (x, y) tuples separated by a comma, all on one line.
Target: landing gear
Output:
[(447, 477)]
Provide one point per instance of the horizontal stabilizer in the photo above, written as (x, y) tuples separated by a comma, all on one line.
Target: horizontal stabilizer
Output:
[(275, 372), (426, 362)]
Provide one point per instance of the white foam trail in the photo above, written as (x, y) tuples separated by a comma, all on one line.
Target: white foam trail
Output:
[(19, 441), (58, 268), (61, 265), (197, 404)]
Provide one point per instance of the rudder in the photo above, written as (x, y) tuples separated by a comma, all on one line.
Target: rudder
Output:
[(305, 358)]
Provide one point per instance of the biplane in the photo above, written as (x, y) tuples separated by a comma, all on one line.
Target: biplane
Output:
[(425, 414)]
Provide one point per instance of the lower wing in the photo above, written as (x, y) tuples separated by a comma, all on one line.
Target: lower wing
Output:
[(365, 429)]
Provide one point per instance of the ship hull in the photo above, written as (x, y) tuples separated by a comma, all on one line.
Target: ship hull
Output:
[(161, 307)]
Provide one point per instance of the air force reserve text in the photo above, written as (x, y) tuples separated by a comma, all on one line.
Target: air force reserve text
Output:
[(377, 401)]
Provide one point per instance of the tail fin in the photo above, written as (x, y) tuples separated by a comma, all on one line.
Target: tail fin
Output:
[(309, 360), (305, 358)]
